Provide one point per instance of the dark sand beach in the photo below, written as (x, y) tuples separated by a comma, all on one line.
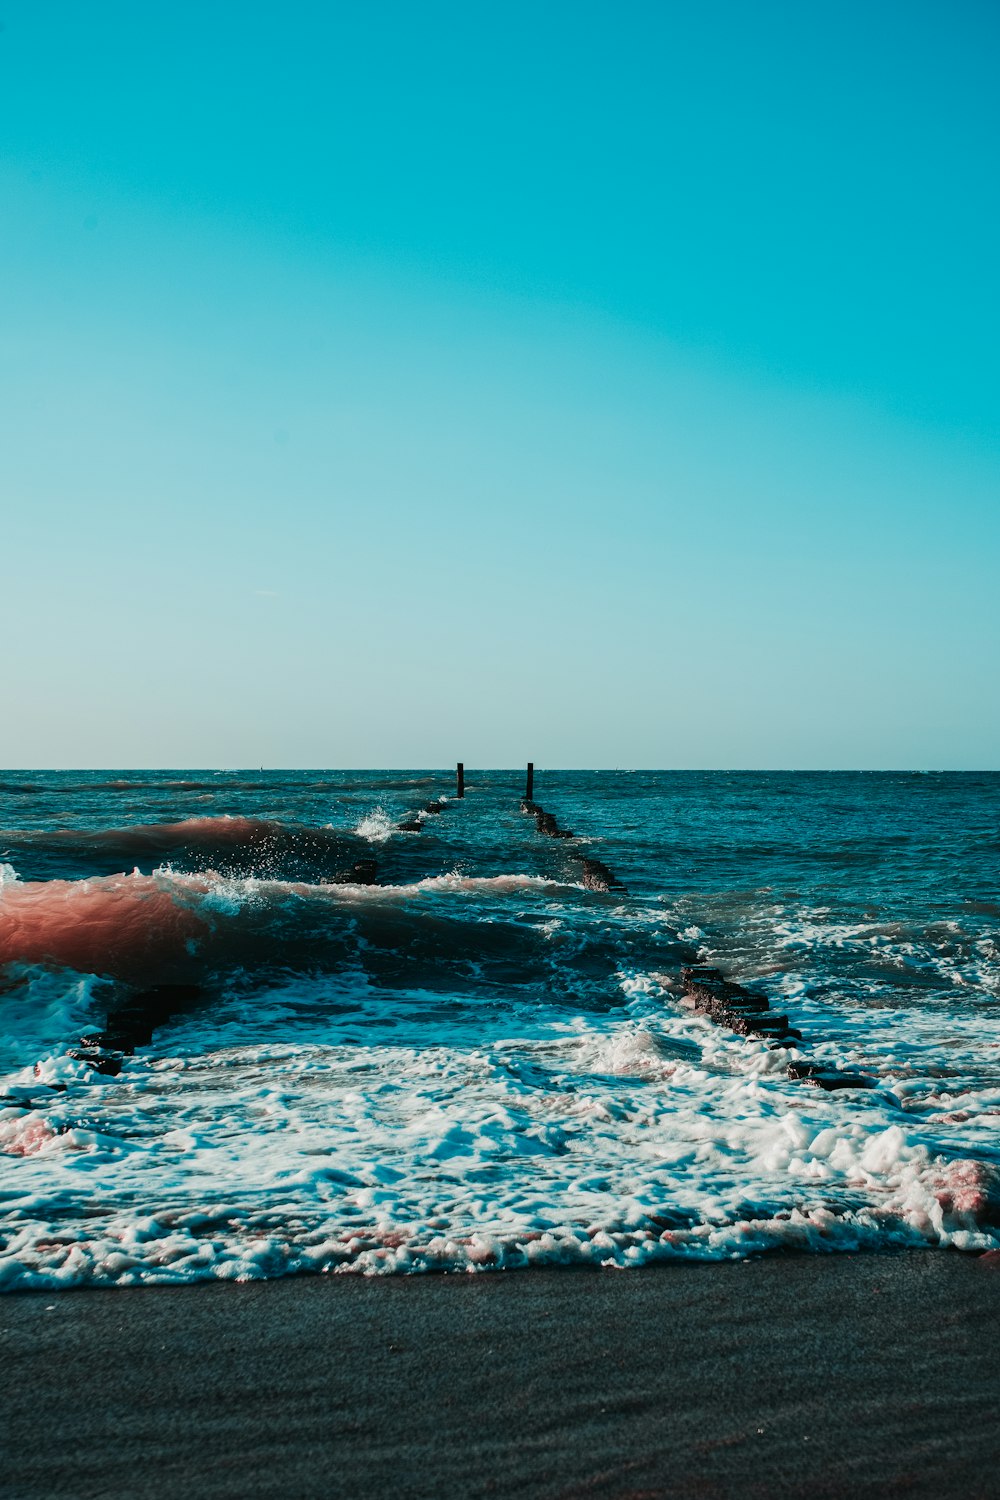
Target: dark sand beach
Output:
[(793, 1375)]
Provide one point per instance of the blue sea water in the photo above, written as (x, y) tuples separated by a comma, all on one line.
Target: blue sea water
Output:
[(249, 1025)]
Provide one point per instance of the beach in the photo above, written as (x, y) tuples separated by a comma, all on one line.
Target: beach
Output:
[(499, 785), (789, 1375), (360, 1139)]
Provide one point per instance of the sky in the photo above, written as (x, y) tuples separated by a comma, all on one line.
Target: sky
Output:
[(603, 384)]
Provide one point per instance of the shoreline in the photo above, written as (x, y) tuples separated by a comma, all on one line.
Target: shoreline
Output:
[(789, 1375)]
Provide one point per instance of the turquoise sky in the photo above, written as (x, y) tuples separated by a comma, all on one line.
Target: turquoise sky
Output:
[(606, 384)]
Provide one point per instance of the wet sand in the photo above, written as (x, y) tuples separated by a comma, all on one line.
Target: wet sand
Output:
[(812, 1376)]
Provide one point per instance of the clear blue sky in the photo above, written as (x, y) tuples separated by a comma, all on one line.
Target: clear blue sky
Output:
[(610, 384)]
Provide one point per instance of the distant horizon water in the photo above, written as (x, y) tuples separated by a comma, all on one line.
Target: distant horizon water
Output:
[(541, 769)]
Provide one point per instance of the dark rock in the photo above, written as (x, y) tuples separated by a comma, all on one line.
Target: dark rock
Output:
[(109, 1063), (597, 876), (828, 1078)]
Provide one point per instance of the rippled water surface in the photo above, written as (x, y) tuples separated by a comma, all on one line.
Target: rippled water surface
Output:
[(250, 1025)]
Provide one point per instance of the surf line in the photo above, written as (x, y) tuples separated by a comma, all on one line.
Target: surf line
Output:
[(749, 1013)]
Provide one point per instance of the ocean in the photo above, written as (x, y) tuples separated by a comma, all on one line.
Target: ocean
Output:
[(257, 1023)]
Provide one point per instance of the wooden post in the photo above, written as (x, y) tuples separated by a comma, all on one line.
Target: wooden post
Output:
[(529, 790), (460, 774)]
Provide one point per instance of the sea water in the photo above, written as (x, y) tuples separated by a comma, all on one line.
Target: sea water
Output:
[(369, 1048)]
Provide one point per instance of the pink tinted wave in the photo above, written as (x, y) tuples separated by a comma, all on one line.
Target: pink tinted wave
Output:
[(159, 836), (118, 925)]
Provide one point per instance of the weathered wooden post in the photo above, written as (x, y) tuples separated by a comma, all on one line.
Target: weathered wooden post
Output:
[(529, 790), (460, 775)]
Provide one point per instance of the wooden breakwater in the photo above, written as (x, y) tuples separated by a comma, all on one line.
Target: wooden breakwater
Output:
[(414, 821), (597, 876), (705, 989), (131, 1022), (748, 1012), (745, 1011)]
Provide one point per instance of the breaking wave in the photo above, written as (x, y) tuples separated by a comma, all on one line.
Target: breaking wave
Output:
[(240, 845)]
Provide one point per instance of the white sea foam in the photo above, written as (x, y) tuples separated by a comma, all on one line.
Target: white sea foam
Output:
[(614, 1140), (39, 1011), (230, 894)]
